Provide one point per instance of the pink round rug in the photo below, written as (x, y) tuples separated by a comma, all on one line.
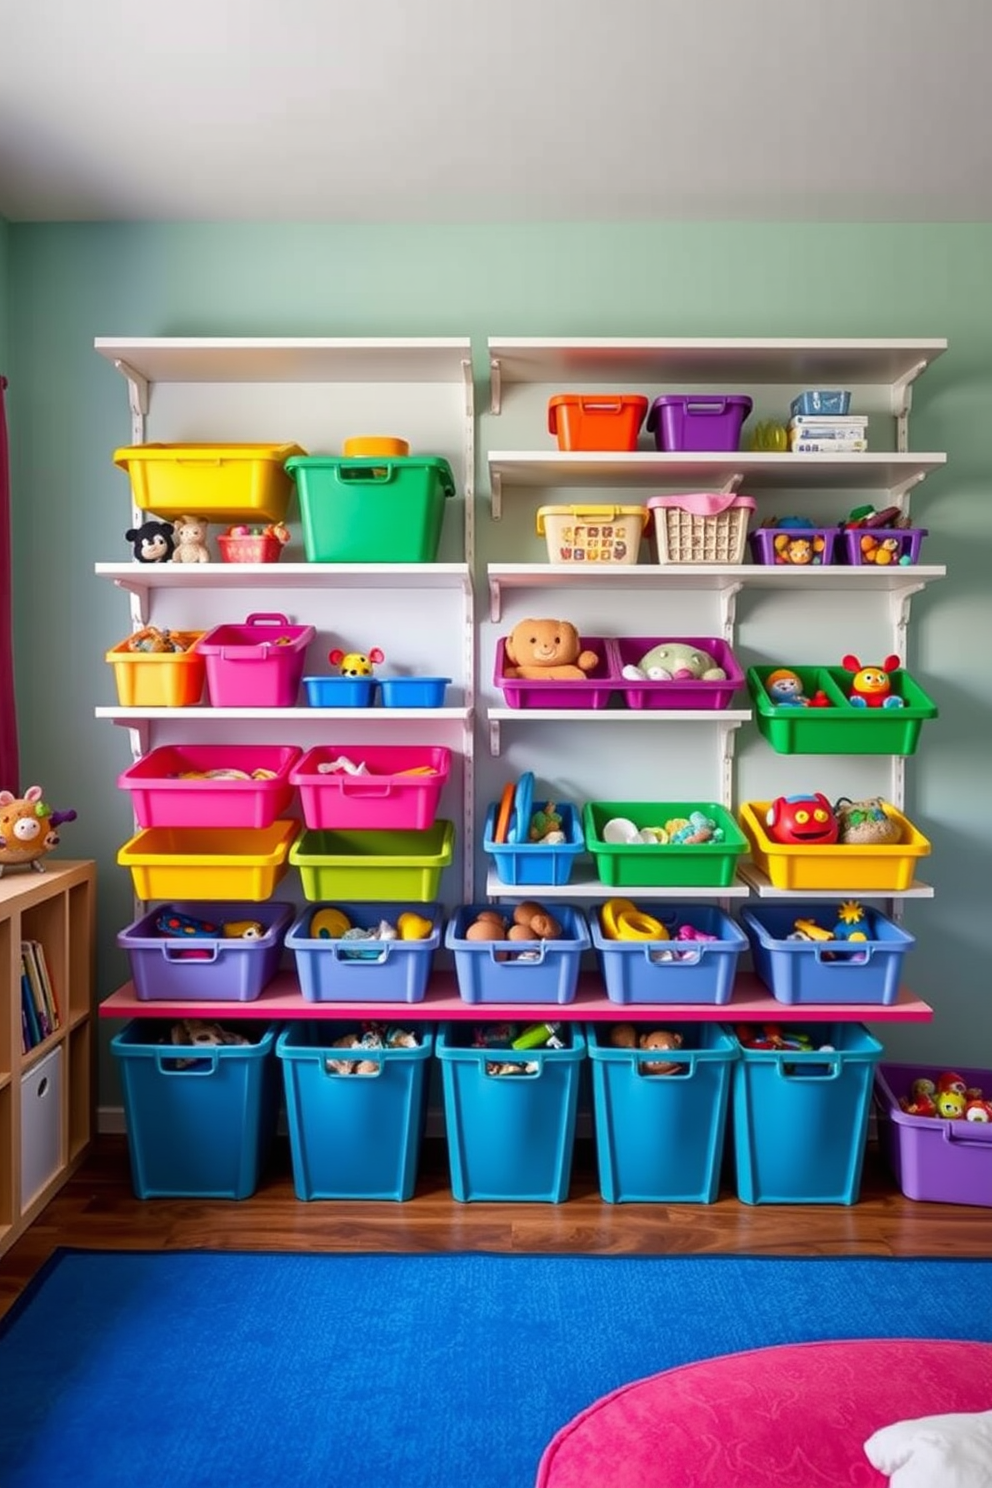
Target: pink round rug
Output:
[(793, 1416)]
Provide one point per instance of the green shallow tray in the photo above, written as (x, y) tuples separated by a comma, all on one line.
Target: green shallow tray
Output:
[(388, 865), (704, 865), (840, 729)]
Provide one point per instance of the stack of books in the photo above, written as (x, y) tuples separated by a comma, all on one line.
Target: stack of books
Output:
[(40, 1013), (828, 434)]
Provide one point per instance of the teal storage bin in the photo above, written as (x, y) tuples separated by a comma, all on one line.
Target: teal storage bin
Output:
[(659, 1138), (203, 1131), (371, 510), (510, 1137), (800, 1119), (353, 1136)]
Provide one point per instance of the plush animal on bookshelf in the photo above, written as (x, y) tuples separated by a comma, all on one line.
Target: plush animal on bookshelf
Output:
[(28, 829), (547, 651), (152, 542), (191, 540)]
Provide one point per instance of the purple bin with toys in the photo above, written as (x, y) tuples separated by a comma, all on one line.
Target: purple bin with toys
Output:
[(881, 546), (666, 953), (828, 953), (202, 952), (336, 965), (798, 546), (692, 665), (939, 1160), (593, 690)]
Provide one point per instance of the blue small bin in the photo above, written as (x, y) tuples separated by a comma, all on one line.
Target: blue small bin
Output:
[(338, 970), (638, 971), (203, 1131), (825, 971), (816, 402), (659, 1138), (413, 692), (340, 692), (535, 862), (800, 1119), (353, 1136), (510, 1137), (551, 976)]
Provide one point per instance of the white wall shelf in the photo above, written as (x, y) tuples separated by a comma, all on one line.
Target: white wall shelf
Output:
[(762, 886), (727, 718), (585, 885), (289, 358)]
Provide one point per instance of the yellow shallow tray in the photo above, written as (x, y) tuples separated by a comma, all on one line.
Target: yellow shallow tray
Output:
[(215, 481), (208, 863), (844, 866)]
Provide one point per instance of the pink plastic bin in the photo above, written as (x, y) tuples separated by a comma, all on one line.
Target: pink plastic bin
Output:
[(385, 798), (255, 665), (593, 691), (161, 797), (679, 693), (698, 422)]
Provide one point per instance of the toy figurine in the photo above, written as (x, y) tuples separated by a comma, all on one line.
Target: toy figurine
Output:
[(802, 820), (28, 829), (871, 687), (355, 663), (191, 540), (152, 542)]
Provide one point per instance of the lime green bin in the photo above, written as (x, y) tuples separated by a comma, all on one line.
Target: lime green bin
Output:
[(373, 864)]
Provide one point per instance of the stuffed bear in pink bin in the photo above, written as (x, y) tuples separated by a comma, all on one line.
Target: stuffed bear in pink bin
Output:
[(547, 650)]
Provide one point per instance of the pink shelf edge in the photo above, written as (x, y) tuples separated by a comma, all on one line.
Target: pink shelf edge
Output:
[(750, 1002)]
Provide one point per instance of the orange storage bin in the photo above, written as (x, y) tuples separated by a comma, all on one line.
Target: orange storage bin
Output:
[(159, 679), (596, 421)]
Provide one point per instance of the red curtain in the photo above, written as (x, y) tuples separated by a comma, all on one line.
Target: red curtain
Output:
[(9, 766)]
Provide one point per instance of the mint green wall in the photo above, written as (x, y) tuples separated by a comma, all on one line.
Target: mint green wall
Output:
[(73, 282), (4, 277)]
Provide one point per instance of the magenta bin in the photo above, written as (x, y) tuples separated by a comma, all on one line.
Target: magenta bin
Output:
[(679, 693), (762, 542), (941, 1161), (384, 799), (689, 421), (593, 691), (217, 968), (163, 796), (906, 549), (255, 665)]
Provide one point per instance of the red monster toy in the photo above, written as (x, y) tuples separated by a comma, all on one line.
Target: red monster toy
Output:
[(871, 687), (802, 820)]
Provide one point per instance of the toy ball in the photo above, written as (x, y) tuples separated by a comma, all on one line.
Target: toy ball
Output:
[(802, 820)]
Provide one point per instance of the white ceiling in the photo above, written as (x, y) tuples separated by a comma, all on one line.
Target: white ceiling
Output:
[(495, 110)]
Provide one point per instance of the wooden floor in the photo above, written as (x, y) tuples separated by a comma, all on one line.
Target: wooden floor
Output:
[(96, 1209)]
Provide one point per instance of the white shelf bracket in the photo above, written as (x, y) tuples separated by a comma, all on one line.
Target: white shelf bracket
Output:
[(495, 600), (732, 483), (140, 736), (495, 385), (902, 402), (496, 498), (137, 397), (899, 492), (139, 600), (494, 742), (900, 603), (727, 729), (728, 610), (469, 387)]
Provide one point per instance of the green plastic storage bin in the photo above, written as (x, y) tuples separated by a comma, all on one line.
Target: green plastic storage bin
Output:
[(371, 510), (650, 865), (374, 864), (841, 728)]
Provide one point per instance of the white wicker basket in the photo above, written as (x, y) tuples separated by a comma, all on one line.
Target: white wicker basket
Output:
[(704, 528)]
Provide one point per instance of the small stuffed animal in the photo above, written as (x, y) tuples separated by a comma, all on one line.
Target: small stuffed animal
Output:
[(871, 687), (865, 822), (355, 663), (547, 651), (28, 828), (153, 542), (191, 541), (676, 661)]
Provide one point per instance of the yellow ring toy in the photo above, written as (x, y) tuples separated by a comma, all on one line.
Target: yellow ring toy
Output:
[(329, 923), (638, 926), (610, 914)]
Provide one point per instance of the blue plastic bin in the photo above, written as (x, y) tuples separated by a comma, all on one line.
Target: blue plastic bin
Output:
[(203, 1131), (510, 1136), (353, 1136), (220, 968), (338, 970), (659, 1138), (636, 971), (551, 976), (340, 692), (535, 862), (800, 1119), (413, 692), (832, 971)]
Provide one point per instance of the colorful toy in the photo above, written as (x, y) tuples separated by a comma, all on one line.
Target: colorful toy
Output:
[(802, 820), (674, 661), (152, 542), (182, 926), (797, 548), (28, 829), (539, 1036), (785, 688), (546, 826), (328, 923), (626, 1036), (867, 516), (871, 687), (149, 638), (882, 551), (190, 535), (355, 663), (865, 822), (547, 651), (770, 1036)]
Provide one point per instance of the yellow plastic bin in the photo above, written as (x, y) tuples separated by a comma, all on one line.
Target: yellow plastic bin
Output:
[(592, 534), (844, 866), (159, 679), (219, 482), (208, 862)]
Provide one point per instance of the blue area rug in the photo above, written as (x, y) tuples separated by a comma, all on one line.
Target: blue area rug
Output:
[(216, 1370)]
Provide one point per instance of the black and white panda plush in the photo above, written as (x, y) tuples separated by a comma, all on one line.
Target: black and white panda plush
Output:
[(153, 542)]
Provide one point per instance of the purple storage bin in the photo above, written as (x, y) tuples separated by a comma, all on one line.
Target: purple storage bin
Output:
[(943, 1162), (699, 422), (594, 691), (762, 542), (906, 549), (208, 968), (679, 693)]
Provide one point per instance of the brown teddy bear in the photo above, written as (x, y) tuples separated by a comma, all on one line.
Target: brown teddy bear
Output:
[(547, 650)]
